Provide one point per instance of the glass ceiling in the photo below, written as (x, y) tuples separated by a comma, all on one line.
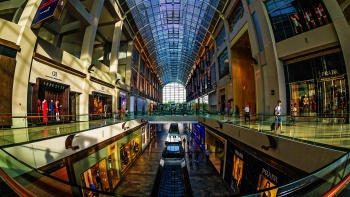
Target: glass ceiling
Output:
[(173, 32)]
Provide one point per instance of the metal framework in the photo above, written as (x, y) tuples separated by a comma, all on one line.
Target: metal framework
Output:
[(172, 32)]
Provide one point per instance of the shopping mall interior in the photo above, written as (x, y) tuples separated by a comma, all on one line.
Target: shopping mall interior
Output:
[(174, 98)]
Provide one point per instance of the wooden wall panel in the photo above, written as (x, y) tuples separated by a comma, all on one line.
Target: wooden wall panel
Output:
[(7, 71)]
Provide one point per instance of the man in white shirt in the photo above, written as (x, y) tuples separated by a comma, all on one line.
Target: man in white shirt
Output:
[(247, 113), (278, 116)]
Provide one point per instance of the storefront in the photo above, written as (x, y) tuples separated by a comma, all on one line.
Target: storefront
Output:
[(198, 135), (129, 148), (146, 135), (216, 145), (317, 84), (246, 172), (122, 100), (100, 104), (96, 177), (113, 167), (50, 100)]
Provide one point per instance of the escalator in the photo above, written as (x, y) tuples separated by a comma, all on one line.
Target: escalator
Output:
[(172, 177)]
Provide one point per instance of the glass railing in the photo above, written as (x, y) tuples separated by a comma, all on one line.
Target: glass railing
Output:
[(38, 129), (323, 129), (36, 183), (309, 128), (316, 184)]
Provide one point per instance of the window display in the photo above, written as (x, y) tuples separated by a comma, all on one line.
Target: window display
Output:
[(102, 104), (318, 86), (96, 177), (48, 93), (125, 155)]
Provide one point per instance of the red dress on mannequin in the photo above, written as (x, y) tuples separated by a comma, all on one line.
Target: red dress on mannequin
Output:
[(45, 110)]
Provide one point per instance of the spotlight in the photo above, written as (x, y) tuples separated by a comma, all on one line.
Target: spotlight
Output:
[(69, 143), (220, 124), (90, 68), (272, 143), (254, 60), (116, 82)]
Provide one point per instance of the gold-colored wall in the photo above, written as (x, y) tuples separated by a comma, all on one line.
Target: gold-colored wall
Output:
[(243, 79)]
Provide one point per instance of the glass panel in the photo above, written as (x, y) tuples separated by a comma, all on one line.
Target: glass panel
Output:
[(293, 17), (258, 31)]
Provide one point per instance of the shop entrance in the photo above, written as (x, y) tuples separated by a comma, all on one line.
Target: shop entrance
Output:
[(73, 106), (333, 98), (46, 96), (303, 95), (328, 98), (100, 105)]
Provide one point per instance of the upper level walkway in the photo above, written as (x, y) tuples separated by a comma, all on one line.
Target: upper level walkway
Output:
[(324, 131)]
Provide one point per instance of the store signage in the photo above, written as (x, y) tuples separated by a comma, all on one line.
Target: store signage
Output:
[(48, 9), (268, 174), (329, 73), (240, 155), (54, 73)]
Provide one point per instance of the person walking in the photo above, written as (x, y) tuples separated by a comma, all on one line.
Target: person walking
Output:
[(278, 116), (190, 155), (247, 113), (207, 153), (196, 155)]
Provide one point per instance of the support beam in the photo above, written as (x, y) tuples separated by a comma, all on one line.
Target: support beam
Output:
[(71, 28), (77, 9)]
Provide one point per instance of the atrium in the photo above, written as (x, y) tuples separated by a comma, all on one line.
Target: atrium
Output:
[(256, 90)]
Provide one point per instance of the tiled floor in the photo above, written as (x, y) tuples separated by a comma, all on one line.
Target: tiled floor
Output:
[(204, 178)]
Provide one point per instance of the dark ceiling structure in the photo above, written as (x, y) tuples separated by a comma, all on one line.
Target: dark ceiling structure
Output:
[(173, 33)]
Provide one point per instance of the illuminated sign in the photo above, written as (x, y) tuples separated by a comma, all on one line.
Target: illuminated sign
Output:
[(48, 9)]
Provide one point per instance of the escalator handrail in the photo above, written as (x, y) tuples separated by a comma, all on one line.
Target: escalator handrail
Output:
[(338, 187), (20, 190)]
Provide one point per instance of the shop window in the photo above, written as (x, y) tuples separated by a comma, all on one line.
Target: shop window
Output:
[(321, 89), (221, 37), (125, 158), (223, 64), (290, 18), (96, 177), (236, 15)]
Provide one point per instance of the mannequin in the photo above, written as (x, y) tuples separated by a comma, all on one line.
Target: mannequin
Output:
[(39, 108), (51, 109), (44, 104), (57, 111)]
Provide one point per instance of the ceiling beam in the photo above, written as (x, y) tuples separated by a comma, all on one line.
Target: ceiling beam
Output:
[(113, 9), (7, 7), (78, 11), (71, 28)]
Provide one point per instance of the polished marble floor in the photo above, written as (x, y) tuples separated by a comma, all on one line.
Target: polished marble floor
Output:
[(204, 178)]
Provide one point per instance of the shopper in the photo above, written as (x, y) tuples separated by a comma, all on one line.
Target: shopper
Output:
[(207, 153), (278, 116), (247, 113), (196, 155)]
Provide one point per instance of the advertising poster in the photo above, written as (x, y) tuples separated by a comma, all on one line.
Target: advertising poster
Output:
[(237, 173), (265, 183)]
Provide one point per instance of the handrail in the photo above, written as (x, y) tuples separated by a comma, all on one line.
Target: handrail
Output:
[(21, 191), (338, 187)]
